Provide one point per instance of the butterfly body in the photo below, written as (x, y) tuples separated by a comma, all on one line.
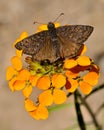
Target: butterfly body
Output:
[(55, 43)]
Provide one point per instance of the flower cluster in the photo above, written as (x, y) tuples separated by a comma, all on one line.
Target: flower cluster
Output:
[(54, 80)]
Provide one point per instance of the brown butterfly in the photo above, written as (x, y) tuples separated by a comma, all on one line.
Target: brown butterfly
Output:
[(55, 43)]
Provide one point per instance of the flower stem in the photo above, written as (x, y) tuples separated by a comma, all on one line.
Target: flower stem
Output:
[(79, 113), (90, 111)]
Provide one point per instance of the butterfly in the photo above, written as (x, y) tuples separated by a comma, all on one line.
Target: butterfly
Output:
[(55, 43)]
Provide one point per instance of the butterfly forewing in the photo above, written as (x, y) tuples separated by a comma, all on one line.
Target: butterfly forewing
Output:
[(75, 33), (68, 39), (32, 44)]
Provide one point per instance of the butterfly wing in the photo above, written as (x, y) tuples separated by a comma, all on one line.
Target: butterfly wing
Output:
[(39, 46), (71, 39), (32, 44), (46, 52)]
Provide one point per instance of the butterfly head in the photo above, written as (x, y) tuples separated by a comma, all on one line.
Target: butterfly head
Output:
[(50, 25)]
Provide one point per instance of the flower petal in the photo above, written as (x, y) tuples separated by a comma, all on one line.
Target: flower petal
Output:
[(83, 50), (85, 87), (70, 63), (91, 78), (27, 91), (10, 73), (19, 85), (71, 74), (29, 105), (24, 74), (11, 82), (58, 80), (46, 98), (43, 82), (19, 53), (42, 112), (17, 63), (73, 85), (35, 115), (83, 61), (34, 79), (59, 96)]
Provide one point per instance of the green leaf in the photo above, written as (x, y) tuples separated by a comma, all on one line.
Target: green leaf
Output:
[(58, 107)]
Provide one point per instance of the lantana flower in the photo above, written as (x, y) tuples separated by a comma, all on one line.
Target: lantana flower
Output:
[(52, 80)]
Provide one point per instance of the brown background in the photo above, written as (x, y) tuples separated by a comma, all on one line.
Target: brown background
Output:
[(17, 16)]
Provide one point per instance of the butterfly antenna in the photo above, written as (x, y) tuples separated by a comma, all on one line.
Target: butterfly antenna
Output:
[(58, 16), (37, 22)]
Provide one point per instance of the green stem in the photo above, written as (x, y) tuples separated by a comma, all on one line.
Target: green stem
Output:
[(79, 113), (90, 111)]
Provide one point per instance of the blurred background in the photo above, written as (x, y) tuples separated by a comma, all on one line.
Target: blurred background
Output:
[(17, 16)]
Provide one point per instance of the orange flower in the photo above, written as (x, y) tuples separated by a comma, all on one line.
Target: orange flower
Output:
[(84, 49), (40, 113), (24, 74), (70, 63), (43, 82), (10, 73), (33, 79), (83, 61), (19, 85), (51, 78), (71, 73), (29, 105), (58, 80), (71, 85), (85, 87), (27, 91), (46, 98), (91, 78), (16, 63), (59, 96)]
